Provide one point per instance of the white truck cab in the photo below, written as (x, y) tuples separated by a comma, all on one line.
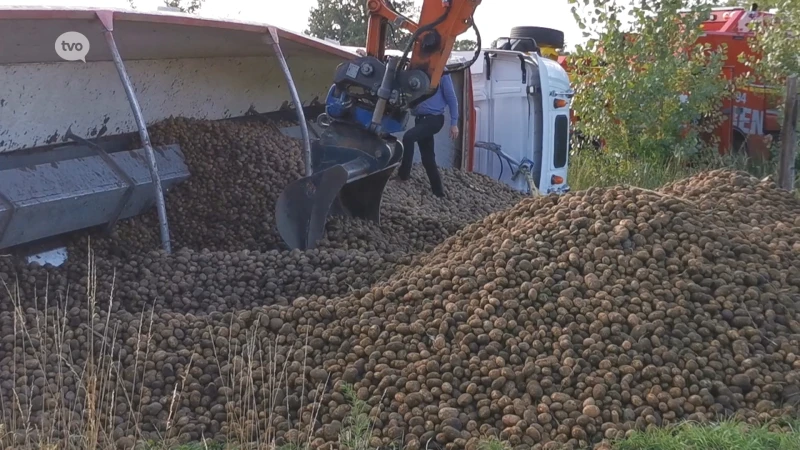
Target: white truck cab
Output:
[(514, 119), (521, 103)]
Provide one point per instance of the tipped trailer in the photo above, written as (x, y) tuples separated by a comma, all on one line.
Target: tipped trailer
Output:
[(65, 125), (66, 163)]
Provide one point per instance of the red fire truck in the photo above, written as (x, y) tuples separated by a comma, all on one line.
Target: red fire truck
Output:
[(751, 116), (750, 122)]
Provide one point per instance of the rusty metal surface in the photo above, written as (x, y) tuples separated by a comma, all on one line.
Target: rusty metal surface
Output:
[(49, 199)]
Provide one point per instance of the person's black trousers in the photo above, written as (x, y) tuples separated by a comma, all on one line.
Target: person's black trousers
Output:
[(425, 128)]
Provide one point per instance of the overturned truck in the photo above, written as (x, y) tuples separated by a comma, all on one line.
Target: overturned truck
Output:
[(66, 125)]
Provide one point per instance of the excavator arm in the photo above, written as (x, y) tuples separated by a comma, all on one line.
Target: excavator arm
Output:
[(370, 99), (377, 92), (441, 22), (380, 17)]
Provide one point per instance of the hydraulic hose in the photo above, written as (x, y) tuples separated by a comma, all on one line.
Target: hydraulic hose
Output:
[(419, 31), (475, 57)]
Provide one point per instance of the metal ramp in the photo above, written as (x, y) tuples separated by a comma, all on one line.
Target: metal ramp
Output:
[(47, 194)]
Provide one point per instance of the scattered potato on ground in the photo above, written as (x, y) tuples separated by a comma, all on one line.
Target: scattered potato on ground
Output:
[(551, 322)]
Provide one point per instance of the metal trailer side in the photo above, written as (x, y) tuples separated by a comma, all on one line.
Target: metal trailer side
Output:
[(64, 124)]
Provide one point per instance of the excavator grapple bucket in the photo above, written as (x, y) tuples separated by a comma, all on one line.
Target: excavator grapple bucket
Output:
[(350, 169)]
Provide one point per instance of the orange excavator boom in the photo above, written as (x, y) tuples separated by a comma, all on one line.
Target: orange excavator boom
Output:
[(440, 24), (369, 100)]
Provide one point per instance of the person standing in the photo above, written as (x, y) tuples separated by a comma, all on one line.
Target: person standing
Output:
[(429, 120)]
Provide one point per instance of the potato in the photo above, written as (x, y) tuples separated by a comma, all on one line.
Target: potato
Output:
[(555, 320)]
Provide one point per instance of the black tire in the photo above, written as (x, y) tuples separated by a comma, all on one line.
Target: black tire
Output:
[(543, 36)]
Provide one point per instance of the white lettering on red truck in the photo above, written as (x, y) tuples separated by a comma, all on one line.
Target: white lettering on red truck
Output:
[(750, 121)]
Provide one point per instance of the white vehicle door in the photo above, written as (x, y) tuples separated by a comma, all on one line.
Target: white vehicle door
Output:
[(556, 98), (515, 107)]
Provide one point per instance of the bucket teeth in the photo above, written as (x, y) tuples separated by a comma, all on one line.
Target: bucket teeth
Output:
[(362, 198), (350, 171), (303, 207)]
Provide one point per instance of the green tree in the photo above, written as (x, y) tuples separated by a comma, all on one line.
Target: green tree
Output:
[(464, 44), (190, 6), (187, 6), (346, 21), (775, 45), (762, 5), (644, 86)]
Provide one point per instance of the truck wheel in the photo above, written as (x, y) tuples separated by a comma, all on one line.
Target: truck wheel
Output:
[(543, 36)]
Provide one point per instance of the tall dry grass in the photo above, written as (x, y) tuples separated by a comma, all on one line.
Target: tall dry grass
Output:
[(599, 169), (64, 383)]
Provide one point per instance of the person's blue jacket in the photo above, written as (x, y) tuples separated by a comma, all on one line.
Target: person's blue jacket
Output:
[(444, 96)]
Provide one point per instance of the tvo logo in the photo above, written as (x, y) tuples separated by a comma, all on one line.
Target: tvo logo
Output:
[(72, 46)]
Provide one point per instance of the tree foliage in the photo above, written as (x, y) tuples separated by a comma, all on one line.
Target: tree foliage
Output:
[(464, 44), (763, 5), (187, 6), (775, 44), (650, 91), (346, 22), (775, 53)]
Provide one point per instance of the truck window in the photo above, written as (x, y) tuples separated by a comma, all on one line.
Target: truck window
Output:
[(560, 138)]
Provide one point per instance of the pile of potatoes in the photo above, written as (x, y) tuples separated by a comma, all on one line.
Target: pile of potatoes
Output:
[(222, 221), (558, 322), (239, 169)]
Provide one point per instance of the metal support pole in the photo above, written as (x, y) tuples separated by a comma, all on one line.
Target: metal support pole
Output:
[(145, 137), (786, 169), (301, 117), (12, 208)]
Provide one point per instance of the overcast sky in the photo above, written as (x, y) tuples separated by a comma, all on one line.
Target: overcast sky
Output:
[(494, 18)]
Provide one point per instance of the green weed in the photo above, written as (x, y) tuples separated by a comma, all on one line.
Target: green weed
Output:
[(600, 169), (728, 435)]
